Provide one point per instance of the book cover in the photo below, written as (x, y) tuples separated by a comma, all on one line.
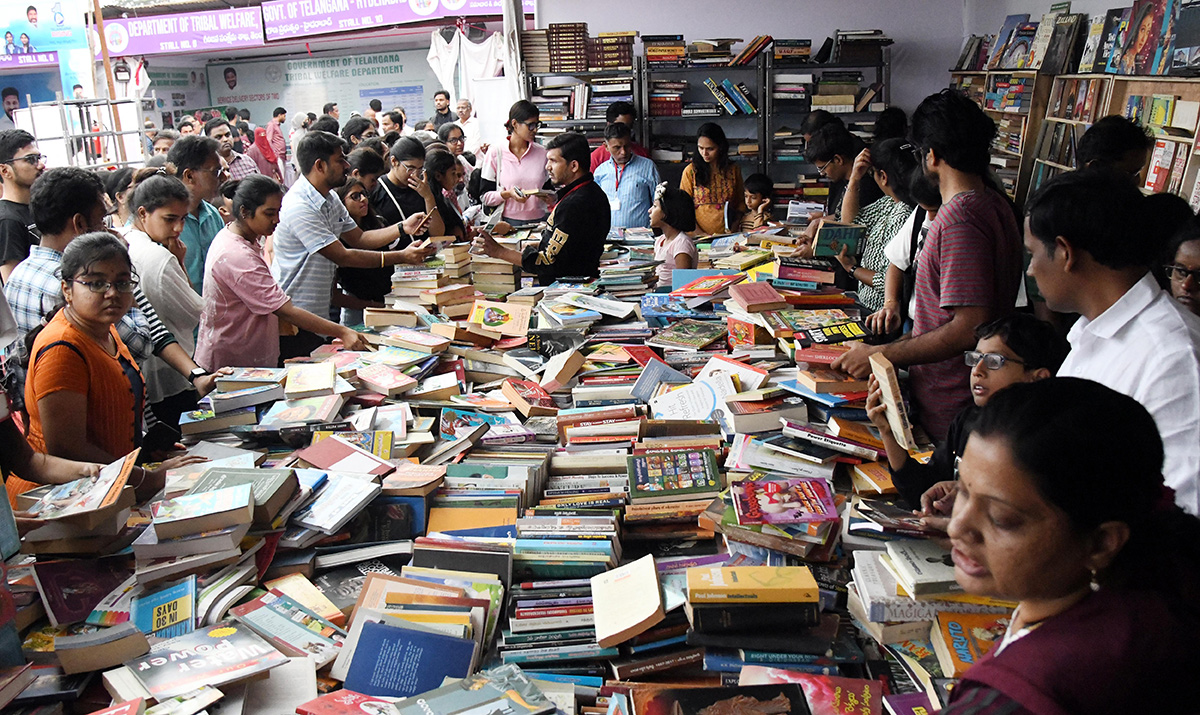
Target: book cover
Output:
[(961, 639), (826, 694), (664, 305), (674, 475), (312, 379), (453, 423), (791, 501), (167, 613), (688, 335), (70, 590), (385, 379), (506, 689), (89, 494), (291, 627), (924, 567), (270, 488), (243, 377), (223, 653), (833, 236), (401, 662), (787, 699), (503, 318), (222, 402), (1003, 37), (346, 702), (308, 410), (758, 584), (339, 455), (202, 511), (707, 286)]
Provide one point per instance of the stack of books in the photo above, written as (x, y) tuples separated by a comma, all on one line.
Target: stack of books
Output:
[(611, 50), (568, 46), (791, 52), (664, 51), (535, 51)]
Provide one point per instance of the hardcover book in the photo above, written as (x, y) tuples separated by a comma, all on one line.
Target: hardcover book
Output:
[(673, 476)]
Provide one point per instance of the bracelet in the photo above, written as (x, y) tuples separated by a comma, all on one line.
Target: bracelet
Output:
[(142, 480), (381, 264)]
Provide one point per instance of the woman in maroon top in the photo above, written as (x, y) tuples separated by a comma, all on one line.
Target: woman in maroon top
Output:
[(1061, 507)]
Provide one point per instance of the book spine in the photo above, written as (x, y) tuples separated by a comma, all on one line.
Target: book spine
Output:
[(654, 665), (722, 99), (738, 99), (831, 442), (735, 618), (762, 656)]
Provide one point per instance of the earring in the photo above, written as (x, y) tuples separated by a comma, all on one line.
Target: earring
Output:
[(1095, 584)]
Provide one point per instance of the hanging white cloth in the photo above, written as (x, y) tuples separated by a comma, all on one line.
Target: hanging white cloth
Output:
[(480, 60), (443, 59)]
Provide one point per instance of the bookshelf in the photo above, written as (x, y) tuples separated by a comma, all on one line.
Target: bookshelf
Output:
[(576, 101), (1016, 100), (783, 149), (1177, 174), (1076, 102), (674, 98)]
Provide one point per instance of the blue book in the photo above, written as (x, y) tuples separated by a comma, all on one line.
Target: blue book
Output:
[(456, 423), (654, 374), (420, 510), (827, 399), (494, 532), (400, 662), (586, 680), (793, 284), (167, 613), (662, 305)]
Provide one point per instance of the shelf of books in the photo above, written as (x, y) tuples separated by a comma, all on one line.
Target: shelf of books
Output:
[(1169, 107), (1076, 101), (573, 78), (1016, 100)]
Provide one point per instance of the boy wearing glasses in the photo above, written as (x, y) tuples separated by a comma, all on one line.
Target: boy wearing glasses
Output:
[(1018, 348), (1090, 254), (20, 165)]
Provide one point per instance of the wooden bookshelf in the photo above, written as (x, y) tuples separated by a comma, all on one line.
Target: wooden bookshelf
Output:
[(1184, 174), (1076, 102), (1018, 116)]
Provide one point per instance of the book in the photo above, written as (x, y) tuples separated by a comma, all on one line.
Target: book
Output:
[(785, 699), (529, 398), (100, 649), (826, 694), (203, 421), (626, 601), (299, 589), (289, 626), (672, 476), (833, 236), (16, 678), (744, 617), (385, 379), (757, 584), (308, 410), (708, 286), (800, 500), (315, 379), (344, 702), (70, 590), (503, 318), (166, 613), (505, 689), (922, 567), (271, 488), (756, 297), (961, 639), (401, 661), (338, 501), (339, 455), (830, 381), (897, 414), (688, 335), (222, 402), (224, 653), (247, 377), (203, 511)]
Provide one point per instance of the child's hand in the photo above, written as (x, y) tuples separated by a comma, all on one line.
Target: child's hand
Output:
[(937, 504), (876, 410), (885, 320)]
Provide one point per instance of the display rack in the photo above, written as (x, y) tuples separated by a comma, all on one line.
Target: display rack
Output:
[(87, 133), (1016, 100), (1180, 171), (591, 124), (1076, 102)]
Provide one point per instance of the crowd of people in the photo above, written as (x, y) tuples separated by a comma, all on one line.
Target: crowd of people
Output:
[(1072, 421)]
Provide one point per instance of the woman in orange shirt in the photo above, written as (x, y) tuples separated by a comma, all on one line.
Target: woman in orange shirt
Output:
[(84, 391), (714, 182)]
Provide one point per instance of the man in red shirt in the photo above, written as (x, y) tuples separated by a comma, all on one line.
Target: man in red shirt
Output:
[(617, 113), (969, 269)]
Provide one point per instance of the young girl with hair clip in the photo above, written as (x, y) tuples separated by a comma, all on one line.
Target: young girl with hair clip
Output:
[(515, 167), (239, 325), (890, 164), (445, 174), (158, 203), (83, 390), (674, 215), (714, 182)]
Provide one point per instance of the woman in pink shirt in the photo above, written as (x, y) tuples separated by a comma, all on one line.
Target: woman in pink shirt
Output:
[(519, 163), (239, 325)]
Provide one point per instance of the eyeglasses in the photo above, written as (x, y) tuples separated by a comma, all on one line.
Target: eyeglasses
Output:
[(457, 140), (356, 196), (1179, 273), (992, 361), (31, 159), (417, 171), (532, 126), (821, 167), (125, 286)]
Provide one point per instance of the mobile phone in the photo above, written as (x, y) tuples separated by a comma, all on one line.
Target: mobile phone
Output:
[(519, 192), (494, 220)]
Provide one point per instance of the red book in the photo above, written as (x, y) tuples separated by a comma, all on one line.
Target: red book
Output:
[(641, 354), (757, 297), (344, 702), (821, 354), (528, 397), (336, 454), (708, 286)]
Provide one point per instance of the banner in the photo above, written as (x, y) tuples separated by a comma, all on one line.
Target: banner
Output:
[(33, 59), (289, 19), (305, 84), (37, 27), (184, 32)]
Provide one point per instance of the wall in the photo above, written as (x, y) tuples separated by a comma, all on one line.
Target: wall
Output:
[(928, 33), (179, 84), (986, 16)]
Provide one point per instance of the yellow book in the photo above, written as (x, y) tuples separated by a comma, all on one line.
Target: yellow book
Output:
[(311, 379), (753, 584), (298, 588)]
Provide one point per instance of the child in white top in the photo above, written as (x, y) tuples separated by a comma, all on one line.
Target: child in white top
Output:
[(674, 214)]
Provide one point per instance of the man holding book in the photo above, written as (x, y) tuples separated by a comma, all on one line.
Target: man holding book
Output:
[(629, 180), (573, 240), (970, 266)]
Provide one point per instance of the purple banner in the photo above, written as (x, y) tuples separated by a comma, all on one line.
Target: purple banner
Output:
[(184, 32), (30, 59), (290, 19)]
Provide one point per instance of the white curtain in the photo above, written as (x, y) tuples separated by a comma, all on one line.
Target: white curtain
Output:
[(443, 59)]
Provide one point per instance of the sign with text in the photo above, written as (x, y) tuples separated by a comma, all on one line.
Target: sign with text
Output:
[(289, 19), (185, 32), (44, 29), (33, 59)]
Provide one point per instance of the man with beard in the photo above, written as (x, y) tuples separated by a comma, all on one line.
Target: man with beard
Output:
[(20, 165), (316, 235), (969, 268)]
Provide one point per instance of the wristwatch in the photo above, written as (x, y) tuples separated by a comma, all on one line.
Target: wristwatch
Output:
[(197, 373)]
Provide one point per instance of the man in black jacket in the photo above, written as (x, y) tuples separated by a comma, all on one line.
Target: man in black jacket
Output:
[(573, 240)]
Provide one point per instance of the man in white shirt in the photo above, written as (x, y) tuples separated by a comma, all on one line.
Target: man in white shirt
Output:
[(470, 127), (1089, 257)]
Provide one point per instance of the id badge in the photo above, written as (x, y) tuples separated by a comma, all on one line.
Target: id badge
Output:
[(614, 203)]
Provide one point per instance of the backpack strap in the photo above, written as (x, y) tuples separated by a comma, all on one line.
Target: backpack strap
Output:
[(56, 343)]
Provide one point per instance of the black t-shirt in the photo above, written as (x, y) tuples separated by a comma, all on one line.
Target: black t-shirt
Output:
[(17, 231), (573, 240), (375, 283), (439, 119), (868, 193)]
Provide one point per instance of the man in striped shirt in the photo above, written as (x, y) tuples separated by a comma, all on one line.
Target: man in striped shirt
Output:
[(238, 165), (627, 179), (969, 270)]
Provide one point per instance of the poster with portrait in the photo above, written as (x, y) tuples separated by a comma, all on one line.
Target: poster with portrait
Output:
[(39, 26)]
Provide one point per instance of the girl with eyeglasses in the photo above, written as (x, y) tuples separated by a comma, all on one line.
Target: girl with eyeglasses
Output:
[(1019, 348), (159, 205), (513, 170), (84, 392), (355, 197)]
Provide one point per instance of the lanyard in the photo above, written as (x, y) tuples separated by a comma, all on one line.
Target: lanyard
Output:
[(620, 168), (562, 200)]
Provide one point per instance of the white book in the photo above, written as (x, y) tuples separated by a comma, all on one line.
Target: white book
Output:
[(285, 687), (338, 501), (626, 601)]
